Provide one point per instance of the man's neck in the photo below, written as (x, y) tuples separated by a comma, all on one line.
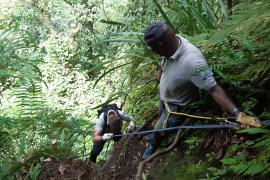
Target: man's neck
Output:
[(177, 44)]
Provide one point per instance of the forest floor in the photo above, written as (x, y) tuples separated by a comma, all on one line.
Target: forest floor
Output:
[(69, 169), (121, 165), (126, 156)]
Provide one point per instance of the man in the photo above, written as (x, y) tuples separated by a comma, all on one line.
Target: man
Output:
[(183, 72), (108, 124)]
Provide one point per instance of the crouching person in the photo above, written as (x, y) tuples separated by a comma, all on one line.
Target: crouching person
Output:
[(109, 123)]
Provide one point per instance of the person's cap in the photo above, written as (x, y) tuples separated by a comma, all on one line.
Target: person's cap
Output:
[(111, 116), (154, 32)]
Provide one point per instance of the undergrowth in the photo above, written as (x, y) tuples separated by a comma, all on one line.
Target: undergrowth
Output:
[(51, 50)]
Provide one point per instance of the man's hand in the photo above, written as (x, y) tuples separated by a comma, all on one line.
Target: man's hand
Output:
[(248, 121), (107, 136), (158, 75), (131, 126)]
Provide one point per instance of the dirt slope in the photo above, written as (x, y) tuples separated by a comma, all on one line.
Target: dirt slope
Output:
[(124, 160), (69, 169), (121, 165)]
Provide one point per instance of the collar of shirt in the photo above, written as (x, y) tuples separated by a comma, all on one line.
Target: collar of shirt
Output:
[(178, 52)]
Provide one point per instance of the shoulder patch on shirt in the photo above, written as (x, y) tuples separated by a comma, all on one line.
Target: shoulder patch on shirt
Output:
[(203, 72)]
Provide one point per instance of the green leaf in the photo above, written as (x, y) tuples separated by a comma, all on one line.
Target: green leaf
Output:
[(255, 131), (223, 8), (120, 40), (164, 15), (107, 72), (112, 22), (128, 33)]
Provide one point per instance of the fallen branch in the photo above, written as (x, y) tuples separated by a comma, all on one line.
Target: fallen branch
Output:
[(158, 153)]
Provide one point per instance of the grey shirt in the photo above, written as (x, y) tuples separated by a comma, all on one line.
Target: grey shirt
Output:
[(100, 121), (183, 74)]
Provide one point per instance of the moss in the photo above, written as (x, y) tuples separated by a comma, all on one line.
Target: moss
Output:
[(175, 166)]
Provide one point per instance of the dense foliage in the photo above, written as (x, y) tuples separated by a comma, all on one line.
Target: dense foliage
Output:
[(59, 60)]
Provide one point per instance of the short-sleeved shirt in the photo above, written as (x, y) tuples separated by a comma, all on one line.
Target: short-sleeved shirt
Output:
[(100, 123), (183, 74)]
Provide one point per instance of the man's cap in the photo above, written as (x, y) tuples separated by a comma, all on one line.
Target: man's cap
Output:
[(154, 32), (114, 122), (111, 116)]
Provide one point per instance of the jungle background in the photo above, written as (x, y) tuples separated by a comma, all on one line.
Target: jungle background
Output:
[(61, 59)]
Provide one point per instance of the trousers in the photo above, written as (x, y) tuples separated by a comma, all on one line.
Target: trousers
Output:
[(98, 146), (155, 139)]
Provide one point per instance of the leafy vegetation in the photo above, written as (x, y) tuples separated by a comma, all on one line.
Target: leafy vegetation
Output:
[(59, 60)]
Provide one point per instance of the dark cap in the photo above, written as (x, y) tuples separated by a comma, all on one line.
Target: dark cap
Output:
[(154, 32)]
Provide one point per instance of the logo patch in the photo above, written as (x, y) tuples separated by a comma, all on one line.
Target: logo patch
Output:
[(205, 74)]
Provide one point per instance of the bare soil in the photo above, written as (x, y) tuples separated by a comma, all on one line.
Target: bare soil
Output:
[(121, 165), (70, 169), (124, 160)]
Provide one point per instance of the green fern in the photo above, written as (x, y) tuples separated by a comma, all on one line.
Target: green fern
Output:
[(29, 98), (259, 166), (18, 59)]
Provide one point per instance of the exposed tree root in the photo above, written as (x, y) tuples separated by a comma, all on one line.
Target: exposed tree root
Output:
[(121, 155), (147, 123), (122, 158), (160, 152)]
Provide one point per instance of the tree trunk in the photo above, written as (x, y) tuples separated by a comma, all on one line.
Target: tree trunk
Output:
[(229, 5)]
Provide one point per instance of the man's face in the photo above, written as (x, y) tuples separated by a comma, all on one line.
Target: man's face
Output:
[(158, 48)]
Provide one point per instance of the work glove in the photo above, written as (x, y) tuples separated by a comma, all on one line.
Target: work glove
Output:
[(248, 121), (107, 136), (131, 126)]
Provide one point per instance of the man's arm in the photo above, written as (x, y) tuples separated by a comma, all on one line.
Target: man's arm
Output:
[(126, 117), (202, 77), (220, 96), (97, 136), (98, 130), (130, 119), (158, 73)]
